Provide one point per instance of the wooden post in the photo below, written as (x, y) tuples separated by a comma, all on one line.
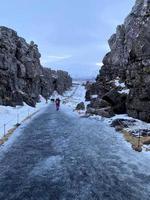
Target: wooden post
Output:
[(17, 116), (139, 140), (4, 130)]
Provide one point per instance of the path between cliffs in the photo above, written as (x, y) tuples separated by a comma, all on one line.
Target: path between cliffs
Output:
[(58, 156)]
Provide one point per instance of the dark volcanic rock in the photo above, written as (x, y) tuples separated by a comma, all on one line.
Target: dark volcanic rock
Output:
[(116, 100), (125, 123), (91, 89), (22, 78), (99, 103), (129, 60), (80, 106), (47, 83), (63, 81), (54, 80), (104, 112), (141, 132)]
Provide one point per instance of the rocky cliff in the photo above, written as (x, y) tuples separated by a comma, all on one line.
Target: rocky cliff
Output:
[(123, 85), (22, 78)]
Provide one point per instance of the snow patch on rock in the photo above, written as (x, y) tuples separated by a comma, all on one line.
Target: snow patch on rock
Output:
[(94, 96), (124, 91), (118, 84)]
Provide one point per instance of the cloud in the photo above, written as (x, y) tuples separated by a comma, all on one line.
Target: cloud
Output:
[(54, 58)]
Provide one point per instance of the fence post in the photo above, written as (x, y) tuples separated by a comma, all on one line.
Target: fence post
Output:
[(4, 130), (28, 112), (139, 140), (17, 116)]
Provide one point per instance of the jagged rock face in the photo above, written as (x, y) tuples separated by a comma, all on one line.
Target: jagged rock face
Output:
[(63, 81), (91, 89), (129, 59), (22, 77), (20, 69), (54, 80), (47, 83)]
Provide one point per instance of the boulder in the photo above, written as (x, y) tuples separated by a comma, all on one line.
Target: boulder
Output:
[(119, 128), (104, 112), (80, 106), (88, 95), (137, 148), (99, 103), (125, 123)]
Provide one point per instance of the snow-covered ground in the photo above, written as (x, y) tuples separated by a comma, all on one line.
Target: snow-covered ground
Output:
[(75, 95), (10, 116)]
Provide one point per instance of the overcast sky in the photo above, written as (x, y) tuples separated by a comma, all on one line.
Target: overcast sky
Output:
[(71, 34)]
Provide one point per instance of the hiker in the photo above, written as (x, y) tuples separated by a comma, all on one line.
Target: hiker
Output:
[(57, 102)]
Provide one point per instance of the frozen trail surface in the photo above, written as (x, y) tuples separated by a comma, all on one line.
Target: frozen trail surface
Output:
[(63, 157)]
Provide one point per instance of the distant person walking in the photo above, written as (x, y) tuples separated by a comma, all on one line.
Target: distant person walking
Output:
[(57, 102)]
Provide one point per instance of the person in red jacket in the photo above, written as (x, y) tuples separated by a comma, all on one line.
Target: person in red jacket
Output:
[(57, 102)]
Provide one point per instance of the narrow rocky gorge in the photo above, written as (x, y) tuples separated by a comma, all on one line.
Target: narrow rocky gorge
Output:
[(22, 77), (122, 85)]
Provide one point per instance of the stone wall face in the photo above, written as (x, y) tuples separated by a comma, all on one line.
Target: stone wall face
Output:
[(54, 80), (129, 62), (22, 78)]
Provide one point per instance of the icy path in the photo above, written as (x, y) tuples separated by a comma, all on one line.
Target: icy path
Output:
[(57, 156)]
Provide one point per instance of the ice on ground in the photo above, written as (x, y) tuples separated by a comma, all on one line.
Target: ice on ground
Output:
[(48, 164)]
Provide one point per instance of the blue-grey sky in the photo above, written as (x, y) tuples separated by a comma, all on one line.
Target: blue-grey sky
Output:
[(71, 34)]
